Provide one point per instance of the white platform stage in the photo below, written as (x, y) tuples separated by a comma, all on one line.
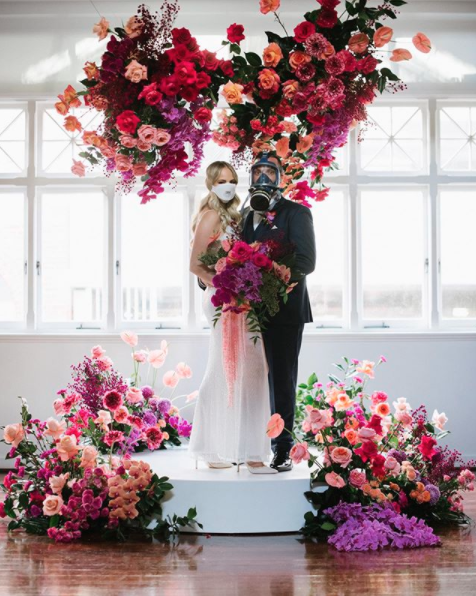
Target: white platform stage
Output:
[(229, 502)]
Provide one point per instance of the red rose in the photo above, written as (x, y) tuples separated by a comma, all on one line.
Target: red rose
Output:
[(169, 86), (262, 261), (303, 31), (127, 121), (2, 510), (426, 447), (226, 66), (150, 94), (368, 450), (185, 73), (376, 423), (240, 252), (234, 33), (203, 80), (367, 64), (329, 3), (179, 54), (211, 60), (285, 109), (327, 18), (189, 93), (180, 36), (378, 466), (203, 115)]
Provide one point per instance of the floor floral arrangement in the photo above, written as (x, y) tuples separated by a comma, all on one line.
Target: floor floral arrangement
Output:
[(389, 483), (156, 90), (75, 476)]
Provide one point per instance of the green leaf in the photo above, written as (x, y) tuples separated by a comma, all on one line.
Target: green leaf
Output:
[(309, 516), (235, 48), (386, 72), (328, 526), (239, 61), (312, 379), (430, 428), (54, 520), (253, 59), (302, 385), (397, 2), (23, 501), (350, 8)]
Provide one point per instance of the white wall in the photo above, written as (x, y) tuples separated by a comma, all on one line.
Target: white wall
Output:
[(437, 370)]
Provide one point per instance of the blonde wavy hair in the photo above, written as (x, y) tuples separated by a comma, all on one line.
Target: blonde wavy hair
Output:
[(228, 212)]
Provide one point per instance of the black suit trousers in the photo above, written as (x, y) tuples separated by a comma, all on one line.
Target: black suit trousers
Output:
[(282, 344)]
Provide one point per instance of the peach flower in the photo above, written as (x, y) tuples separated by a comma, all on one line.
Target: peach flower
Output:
[(316, 420), (67, 448), (382, 409), (266, 6), (133, 27), (103, 418), (89, 457), (134, 395), (128, 141), (232, 93), (439, 420), (275, 426), (290, 88), (52, 505), (91, 70), (97, 352), (272, 55), (100, 29), (54, 428), (143, 146), (130, 338), (358, 43), (146, 133), (367, 368), (401, 405), (298, 58), (170, 379), (382, 36), (351, 435), (305, 143), (289, 126), (341, 456), (123, 163), (58, 407), (14, 434), (78, 168), (162, 137), (282, 272), (343, 402), (135, 72), (357, 478), (299, 452), (269, 80), (400, 54), (183, 370), (421, 42), (57, 482), (334, 480), (282, 147)]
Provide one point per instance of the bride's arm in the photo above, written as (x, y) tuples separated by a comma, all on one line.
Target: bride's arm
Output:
[(208, 226)]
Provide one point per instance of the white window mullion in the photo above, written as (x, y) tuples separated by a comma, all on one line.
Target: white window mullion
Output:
[(112, 247), (433, 278)]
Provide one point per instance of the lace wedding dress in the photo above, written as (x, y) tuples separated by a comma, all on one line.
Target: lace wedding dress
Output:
[(230, 419)]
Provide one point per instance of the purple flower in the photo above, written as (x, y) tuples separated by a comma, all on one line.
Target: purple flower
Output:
[(149, 418), (164, 406), (147, 391), (184, 429)]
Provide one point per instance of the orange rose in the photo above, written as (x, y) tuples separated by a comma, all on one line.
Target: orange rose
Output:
[(305, 143), (71, 97), (71, 123), (260, 145), (351, 435), (298, 58), (232, 93), (282, 147), (91, 70), (268, 80), (358, 43), (382, 409), (290, 88), (272, 55), (134, 27), (266, 6), (89, 137)]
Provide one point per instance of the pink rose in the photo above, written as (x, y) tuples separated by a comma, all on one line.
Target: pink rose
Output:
[(14, 434), (357, 478), (402, 405), (378, 397), (143, 146), (78, 168), (170, 379), (316, 419), (366, 434), (121, 414), (54, 428), (67, 448), (89, 457), (103, 418), (140, 356), (105, 363), (392, 465), (57, 482), (341, 456), (404, 418), (52, 505), (183, 370), (134, 395), (130, 338), (139, 169), (146, 133), (97, 352), (275, 426), (58, 407), (439, 420), (191, 396), (135, 72), (162, 137), (334, 480), (299, 452), (128, 141), (123, 163)]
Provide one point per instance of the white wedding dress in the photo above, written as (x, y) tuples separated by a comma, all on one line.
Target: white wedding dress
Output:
[(230, 426)]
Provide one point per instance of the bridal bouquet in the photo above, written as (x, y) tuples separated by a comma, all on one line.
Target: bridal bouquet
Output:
[(124, 417), (251, 279), (309, 87), (65, 488), (376, 458)]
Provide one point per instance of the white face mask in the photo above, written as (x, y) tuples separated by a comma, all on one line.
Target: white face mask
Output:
[(225, 192)]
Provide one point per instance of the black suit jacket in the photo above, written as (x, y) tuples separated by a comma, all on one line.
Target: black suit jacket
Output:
[(292, 223)]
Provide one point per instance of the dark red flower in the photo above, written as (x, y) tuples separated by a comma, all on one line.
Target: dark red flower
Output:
[(203, 114), (262, 261), (367, 64), (329, 3), (189, 93), (211, 60), (185, 73), (170, 86), (327, 18), (368, 450), (306, 72), (426, 447), (203, 80), (303, 31), (376, 423), (112, 400), (378, 469), (181, 36), (150, 94), (349, 60), (234, 33), (226, 66), (127, 121)]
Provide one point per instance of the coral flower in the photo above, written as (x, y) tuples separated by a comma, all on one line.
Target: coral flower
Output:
[(272, 55), (334, 480), (14, 434), (266, 6), (382, 36), (400, 54), (232, 92), (422, 43), (275, 426), (358, 43), (100, 29), (71, 124)]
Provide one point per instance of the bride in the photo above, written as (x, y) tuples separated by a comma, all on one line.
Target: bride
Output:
[(230, 422)]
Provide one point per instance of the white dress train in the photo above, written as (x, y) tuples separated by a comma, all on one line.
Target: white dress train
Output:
[(232, 427)]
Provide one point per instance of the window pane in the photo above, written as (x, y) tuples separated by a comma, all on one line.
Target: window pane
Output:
[(393, 140), (325, 284), (457, 126), (458, 253), (12, 140), (152, 257), (58, 146), (392, 242), (12, 256), (73, 256)]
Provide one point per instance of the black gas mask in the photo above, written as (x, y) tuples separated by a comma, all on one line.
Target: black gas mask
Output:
[(264, 183)]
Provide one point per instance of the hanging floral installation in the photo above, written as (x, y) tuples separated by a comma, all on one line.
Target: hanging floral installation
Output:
[(157, 89)]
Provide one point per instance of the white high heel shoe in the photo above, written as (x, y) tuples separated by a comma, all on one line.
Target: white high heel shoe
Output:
[(263, 469), (217, 465)]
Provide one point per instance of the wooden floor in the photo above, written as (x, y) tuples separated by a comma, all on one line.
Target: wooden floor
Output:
[(282, 565)]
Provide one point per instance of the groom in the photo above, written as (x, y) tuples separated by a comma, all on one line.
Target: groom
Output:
[(287, 222)]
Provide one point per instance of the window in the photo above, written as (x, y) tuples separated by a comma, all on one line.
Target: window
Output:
[(457, 138), (72, 257), (458, 254), (12, 256), (153, 270), (13, 140)]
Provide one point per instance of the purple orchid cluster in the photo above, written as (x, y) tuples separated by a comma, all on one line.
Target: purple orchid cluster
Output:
[(377, 526)]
